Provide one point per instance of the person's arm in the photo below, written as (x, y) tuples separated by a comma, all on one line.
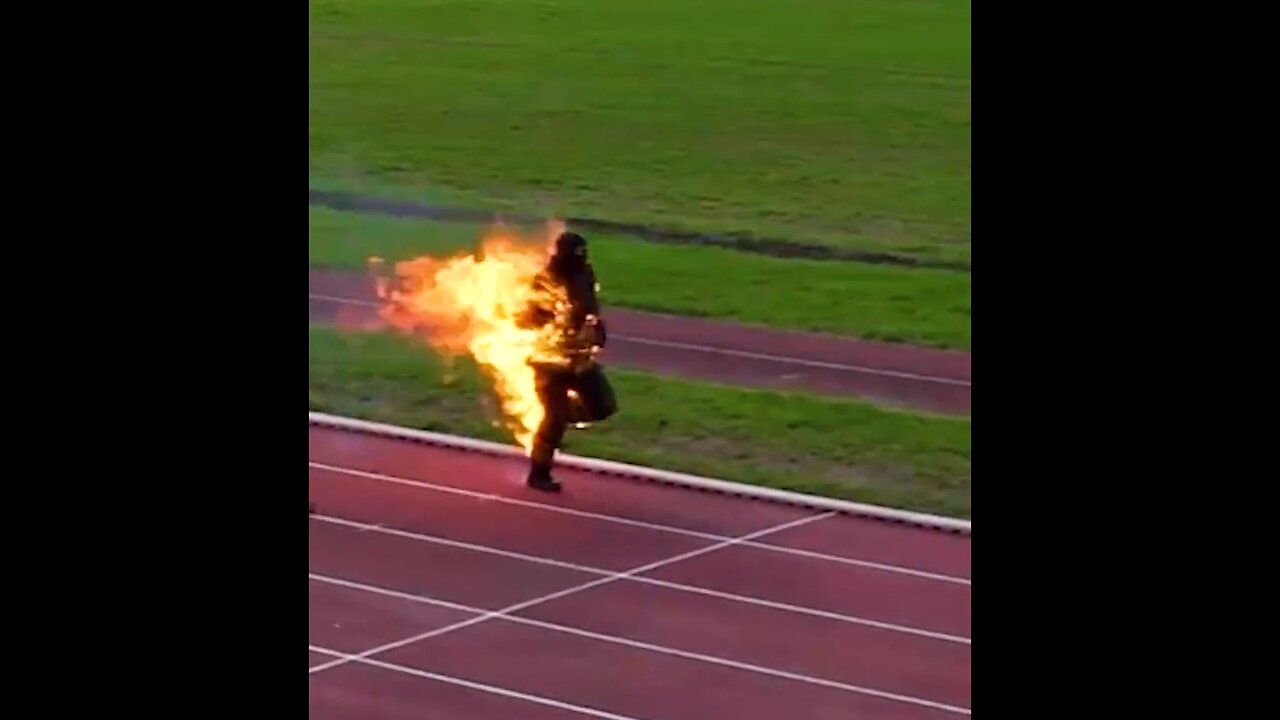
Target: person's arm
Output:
[(593, 305)]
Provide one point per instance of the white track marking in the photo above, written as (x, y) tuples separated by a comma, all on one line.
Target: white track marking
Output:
[(342, 301), (491, 689), (782, 359), (608, 578), (631, 576), (393, 479), (700, 657)]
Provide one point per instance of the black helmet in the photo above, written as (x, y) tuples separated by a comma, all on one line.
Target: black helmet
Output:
[(570, 255), (570, 244)]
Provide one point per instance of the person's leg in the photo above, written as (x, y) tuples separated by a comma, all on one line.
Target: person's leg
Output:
[(552, 393)]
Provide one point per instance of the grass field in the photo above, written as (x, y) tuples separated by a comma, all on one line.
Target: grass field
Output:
[(831, 447), (924, 307), (838, 121)]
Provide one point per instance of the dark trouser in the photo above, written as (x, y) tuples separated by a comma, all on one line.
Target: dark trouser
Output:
[(553, 393), (595, 402)]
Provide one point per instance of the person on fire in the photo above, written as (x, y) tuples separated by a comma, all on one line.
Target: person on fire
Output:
[(571, 388)]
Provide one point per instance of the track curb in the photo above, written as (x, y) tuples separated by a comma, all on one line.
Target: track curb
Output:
[(665, 477)]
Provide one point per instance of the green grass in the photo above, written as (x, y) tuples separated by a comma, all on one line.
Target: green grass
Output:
[(830, 447), (837, 121), (924, 307)]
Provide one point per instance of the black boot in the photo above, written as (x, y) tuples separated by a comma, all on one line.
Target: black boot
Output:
[(542, 456), (540, 479)]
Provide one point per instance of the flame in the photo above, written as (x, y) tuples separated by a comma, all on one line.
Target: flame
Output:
[(474, 304)]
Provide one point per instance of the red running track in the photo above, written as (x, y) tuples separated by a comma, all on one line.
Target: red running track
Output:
[(441, 588), (700, 349)]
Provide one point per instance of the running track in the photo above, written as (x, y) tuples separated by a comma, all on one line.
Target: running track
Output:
[(441, 588), (923, 378)]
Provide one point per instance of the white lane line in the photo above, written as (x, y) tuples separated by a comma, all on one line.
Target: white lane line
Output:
[(700, 657), (342, 300), (422, 484), (785, 360), (608, 578), (748, 600), (490, 689), (782, 359)]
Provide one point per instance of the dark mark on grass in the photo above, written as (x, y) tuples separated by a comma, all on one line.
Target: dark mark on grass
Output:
[(741, 242)]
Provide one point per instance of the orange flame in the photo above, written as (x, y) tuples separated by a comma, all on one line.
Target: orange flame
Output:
[(474, 304)]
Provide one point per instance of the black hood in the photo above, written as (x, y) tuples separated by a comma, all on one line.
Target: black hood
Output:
[(570, 253)]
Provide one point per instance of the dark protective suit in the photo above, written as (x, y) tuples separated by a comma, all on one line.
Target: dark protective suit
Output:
[(578, 392)]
